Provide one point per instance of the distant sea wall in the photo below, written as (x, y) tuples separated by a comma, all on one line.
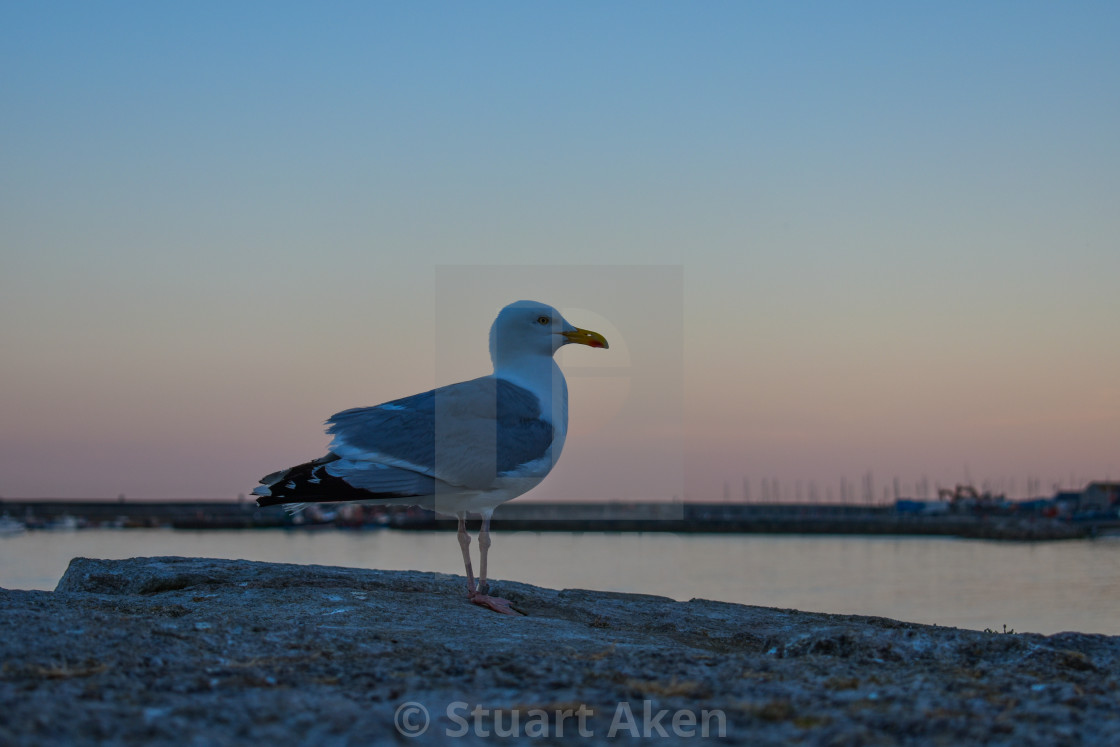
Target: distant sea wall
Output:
[(751, 518), (48, 513)]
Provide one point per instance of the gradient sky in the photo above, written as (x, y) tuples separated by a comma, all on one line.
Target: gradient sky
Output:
[(830, 238)]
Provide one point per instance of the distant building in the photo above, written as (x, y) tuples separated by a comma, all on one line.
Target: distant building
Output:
[(1100, 496)]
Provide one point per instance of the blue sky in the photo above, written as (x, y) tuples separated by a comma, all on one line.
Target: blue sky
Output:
[(895, 224)]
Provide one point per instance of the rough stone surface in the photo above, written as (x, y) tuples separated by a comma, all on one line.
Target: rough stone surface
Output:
[(198, 651)]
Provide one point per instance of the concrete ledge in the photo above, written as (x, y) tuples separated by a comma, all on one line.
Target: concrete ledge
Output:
[(201, 651)]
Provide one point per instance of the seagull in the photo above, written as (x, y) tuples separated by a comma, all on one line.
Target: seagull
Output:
[(458, 449)]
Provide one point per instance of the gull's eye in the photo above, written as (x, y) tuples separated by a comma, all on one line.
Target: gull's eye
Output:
[(542, 319)]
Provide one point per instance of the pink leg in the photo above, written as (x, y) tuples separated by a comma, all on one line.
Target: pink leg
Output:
[(482, 597), (465, 544), (483, 550)]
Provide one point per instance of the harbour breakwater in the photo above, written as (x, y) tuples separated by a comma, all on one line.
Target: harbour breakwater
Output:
[(779, 518), (162, 651)]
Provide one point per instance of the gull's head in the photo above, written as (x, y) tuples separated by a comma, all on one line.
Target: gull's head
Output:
[(533, 328)]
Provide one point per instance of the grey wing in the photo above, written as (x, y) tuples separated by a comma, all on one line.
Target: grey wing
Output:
[(381, 478), (524, 435), (401, 431), (464, 434)]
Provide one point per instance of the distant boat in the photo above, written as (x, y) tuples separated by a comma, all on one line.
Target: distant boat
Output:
[(9, 526), (66, 522)]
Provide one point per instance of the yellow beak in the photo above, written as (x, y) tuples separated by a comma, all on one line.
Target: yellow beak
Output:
[(586, 337)]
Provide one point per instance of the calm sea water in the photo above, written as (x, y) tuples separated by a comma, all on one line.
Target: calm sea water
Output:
[(1029, 587)]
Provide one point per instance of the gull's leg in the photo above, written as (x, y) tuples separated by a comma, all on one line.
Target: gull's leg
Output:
[(465, 544), (483, 549), (481, 597)]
